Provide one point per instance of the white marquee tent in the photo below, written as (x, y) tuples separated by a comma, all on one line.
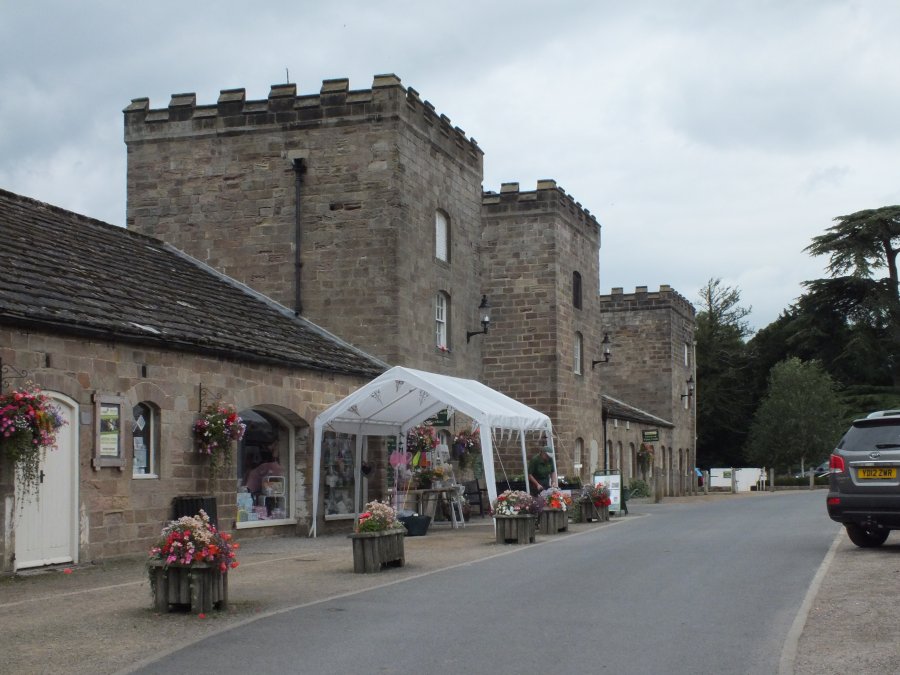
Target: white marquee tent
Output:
[(402, 398)]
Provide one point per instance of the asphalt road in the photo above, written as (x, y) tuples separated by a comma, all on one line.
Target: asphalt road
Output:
[(692, 588)]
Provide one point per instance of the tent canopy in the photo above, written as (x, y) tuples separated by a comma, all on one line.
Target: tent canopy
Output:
[(402, 398)]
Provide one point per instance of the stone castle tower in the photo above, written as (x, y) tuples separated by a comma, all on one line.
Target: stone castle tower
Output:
[(652, 333), (541, 266), (363, 211), (326, 203)]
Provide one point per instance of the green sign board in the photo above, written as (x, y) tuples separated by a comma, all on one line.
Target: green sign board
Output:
[(442, 419), (650, 436)]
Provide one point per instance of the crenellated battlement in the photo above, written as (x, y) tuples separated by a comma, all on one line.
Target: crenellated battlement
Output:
[(641, 298), (284, 108), (548, 194)]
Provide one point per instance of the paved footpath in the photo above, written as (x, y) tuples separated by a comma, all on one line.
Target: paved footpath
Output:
[(98, 618)]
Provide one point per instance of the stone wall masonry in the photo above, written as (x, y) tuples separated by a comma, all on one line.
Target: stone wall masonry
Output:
[(378, 163), (121, 515), (649, 331), (533, 242)]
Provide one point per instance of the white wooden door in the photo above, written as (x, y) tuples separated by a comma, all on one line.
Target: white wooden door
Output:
[(46, 526)]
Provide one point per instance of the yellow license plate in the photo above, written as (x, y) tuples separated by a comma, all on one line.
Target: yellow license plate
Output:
[(877, 472)]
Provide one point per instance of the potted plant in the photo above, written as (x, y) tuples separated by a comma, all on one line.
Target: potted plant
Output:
[(29, 422), (515, 512), (595, 501), (215, 432), (378, 539), (189, 564), (553, 516)]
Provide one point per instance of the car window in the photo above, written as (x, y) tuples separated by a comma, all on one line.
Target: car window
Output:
[(868, 436)]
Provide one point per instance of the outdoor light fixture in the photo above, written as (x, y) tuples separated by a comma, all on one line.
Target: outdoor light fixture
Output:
[(606, 352), (484, 313), (690, 384)]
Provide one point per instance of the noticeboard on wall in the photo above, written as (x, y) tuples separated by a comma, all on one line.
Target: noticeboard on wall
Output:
[(109, 427), (650, 435)]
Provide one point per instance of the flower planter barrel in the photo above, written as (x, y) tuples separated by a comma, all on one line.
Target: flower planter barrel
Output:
[(589, 512), (201, 587), (553, 521), (374, 550), (514, 529)]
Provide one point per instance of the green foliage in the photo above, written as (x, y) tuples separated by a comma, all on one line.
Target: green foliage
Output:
[(859, 246), (800, 418), (639, 488), (723, 400)]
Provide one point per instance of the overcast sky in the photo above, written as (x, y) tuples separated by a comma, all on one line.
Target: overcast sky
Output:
[(710, 139)]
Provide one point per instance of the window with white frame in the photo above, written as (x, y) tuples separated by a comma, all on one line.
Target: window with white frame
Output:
[(441, 236), (687, 355), (579, 342), (145, 435), (579, 453), (441, 316)]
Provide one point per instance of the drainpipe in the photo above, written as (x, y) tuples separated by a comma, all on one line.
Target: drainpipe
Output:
[(299, 170)]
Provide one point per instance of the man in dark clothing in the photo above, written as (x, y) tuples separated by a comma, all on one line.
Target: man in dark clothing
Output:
[(540, 471)]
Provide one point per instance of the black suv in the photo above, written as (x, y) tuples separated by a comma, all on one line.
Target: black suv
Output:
[(864, 485)]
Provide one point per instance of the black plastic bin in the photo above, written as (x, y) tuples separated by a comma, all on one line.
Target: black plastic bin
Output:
[(190, 505)]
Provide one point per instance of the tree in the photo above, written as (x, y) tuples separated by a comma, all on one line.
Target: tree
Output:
[(722, 396), (799, 420), (859, 246)]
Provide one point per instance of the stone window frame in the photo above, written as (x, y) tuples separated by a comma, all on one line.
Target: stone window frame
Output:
[(153, 459), (576, 290), (442, 236), (578, 455), (578, 354), (442, 321)]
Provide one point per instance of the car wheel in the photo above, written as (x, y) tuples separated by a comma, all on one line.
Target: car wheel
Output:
[(866, 538)]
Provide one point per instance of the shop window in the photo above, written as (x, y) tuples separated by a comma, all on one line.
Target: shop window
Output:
[(441, 315), (441, 236), (145, 437), (576, 290), (263, 469), (338, 470)]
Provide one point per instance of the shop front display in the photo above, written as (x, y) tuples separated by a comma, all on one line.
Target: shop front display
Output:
[(337, 467)]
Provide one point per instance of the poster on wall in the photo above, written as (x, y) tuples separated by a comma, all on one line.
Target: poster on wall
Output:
[(613, 482), (110, 420)]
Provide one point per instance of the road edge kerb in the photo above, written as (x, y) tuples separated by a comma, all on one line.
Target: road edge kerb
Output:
[(792, 640)]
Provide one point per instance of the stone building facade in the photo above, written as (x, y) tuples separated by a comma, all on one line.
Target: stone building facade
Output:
[(131, 340), (327, 204), (652, 333), (541, 271), (363, 210)]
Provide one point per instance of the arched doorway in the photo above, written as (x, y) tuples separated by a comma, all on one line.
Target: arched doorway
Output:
[(46, 524), (266, 468)]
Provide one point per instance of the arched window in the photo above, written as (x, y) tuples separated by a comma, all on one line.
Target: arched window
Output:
[(576, 290), (632, 469), (145, 434), (577, 354), (441, 236), (441, 321)]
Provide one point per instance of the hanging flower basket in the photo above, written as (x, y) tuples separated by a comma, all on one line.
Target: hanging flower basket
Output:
[(215, 432), (420, 441), (466, 445), (29, 422)]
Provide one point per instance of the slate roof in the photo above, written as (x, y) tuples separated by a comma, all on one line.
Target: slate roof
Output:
[(65, 272), (616, 409)]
